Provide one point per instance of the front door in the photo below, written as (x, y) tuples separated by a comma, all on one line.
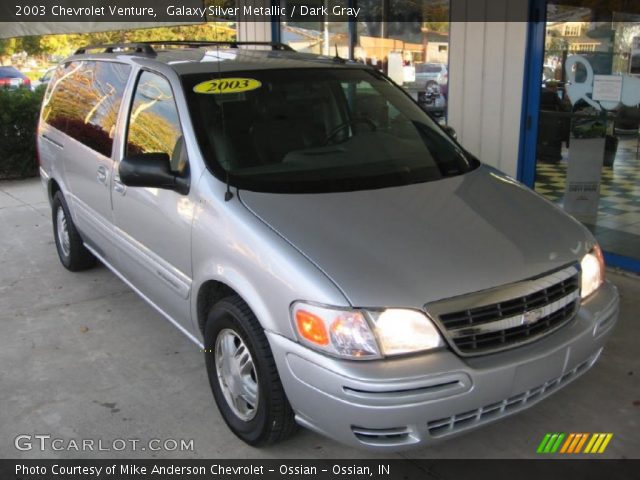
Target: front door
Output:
[(153, 226)]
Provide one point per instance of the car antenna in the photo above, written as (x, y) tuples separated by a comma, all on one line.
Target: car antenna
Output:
[(227, 195)]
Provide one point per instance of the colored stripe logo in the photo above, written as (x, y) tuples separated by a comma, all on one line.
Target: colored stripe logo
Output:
[(574, 443)]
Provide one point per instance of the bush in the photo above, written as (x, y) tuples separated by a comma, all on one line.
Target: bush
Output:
[(19, 111)]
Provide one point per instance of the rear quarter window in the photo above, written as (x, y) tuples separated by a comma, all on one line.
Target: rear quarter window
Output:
[(83, 100)]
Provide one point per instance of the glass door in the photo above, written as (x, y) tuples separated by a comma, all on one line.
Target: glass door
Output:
[(587, 150)]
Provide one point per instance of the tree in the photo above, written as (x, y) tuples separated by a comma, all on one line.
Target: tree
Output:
[(625, 33), (57, 44), (30, 45), (7, 48), (64, 44)]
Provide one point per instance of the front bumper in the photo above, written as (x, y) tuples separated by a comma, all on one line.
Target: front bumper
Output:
[(405, 402)]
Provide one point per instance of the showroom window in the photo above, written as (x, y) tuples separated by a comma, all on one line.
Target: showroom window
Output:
[(321, 35), (587, 154), (409, 41)]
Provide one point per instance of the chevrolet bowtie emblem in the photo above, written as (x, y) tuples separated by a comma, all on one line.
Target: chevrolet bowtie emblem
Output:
[(531, 317)]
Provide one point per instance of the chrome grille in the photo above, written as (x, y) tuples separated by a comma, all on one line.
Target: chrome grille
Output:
[(504, 317)]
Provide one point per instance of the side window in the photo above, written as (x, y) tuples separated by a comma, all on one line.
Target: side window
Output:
[(83, 100), (154, 125), (57, 98)]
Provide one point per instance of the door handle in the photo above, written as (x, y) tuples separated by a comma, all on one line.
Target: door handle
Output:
[(102, 174), (118, 186)]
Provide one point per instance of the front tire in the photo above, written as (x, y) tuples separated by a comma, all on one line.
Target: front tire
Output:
[(243, 375), (71, 250)]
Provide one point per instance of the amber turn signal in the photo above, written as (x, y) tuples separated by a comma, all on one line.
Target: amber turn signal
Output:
[(312, 328)]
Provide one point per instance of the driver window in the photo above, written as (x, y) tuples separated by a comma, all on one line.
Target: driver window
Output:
[(154, 125)]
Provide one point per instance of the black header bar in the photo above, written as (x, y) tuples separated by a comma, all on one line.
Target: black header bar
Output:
[(195, 11)]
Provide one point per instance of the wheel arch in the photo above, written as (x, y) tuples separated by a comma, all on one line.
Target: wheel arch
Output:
[(52, 188), (215, 288), (209, 293)]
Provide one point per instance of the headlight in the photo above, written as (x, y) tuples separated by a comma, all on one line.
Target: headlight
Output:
[(592, 266), (362, 334)]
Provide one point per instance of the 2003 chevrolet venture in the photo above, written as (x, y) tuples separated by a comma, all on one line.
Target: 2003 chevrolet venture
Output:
[(344, 263)]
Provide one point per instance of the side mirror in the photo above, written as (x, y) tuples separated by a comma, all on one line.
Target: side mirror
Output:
[(151, 170), (450, 131)]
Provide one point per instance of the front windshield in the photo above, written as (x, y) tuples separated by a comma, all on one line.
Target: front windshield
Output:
[(317, 130)]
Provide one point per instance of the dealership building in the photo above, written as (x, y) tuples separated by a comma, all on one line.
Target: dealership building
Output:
[(547, 91)]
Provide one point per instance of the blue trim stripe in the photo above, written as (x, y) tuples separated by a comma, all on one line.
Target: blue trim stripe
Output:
[(534, 58), (623, 262), (275, 23)]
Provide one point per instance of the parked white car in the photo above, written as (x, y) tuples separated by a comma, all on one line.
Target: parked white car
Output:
[(431, 73)]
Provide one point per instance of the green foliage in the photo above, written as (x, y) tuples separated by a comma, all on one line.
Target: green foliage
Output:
[(31, 44), (7, 48), (594, 129), (65, 44), (34, 75), (56, 44), (19, 110)]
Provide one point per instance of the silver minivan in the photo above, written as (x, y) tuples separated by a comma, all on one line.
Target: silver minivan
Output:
[(343, 262)]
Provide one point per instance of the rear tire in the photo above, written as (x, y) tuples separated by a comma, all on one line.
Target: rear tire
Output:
[(243, 375), (71, 250)]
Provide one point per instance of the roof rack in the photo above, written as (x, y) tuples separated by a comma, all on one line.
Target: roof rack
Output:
[(147, 47), (138, 47)]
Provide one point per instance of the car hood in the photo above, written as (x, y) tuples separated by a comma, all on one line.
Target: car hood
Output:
[(406, 246)]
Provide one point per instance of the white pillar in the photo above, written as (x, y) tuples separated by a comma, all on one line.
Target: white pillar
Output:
[(486, 80), (249, 31)]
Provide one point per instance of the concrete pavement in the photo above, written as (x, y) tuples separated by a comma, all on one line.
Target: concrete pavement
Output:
[(82, 357)]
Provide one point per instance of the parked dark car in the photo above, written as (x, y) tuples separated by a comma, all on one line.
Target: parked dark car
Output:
[(11, 77)]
